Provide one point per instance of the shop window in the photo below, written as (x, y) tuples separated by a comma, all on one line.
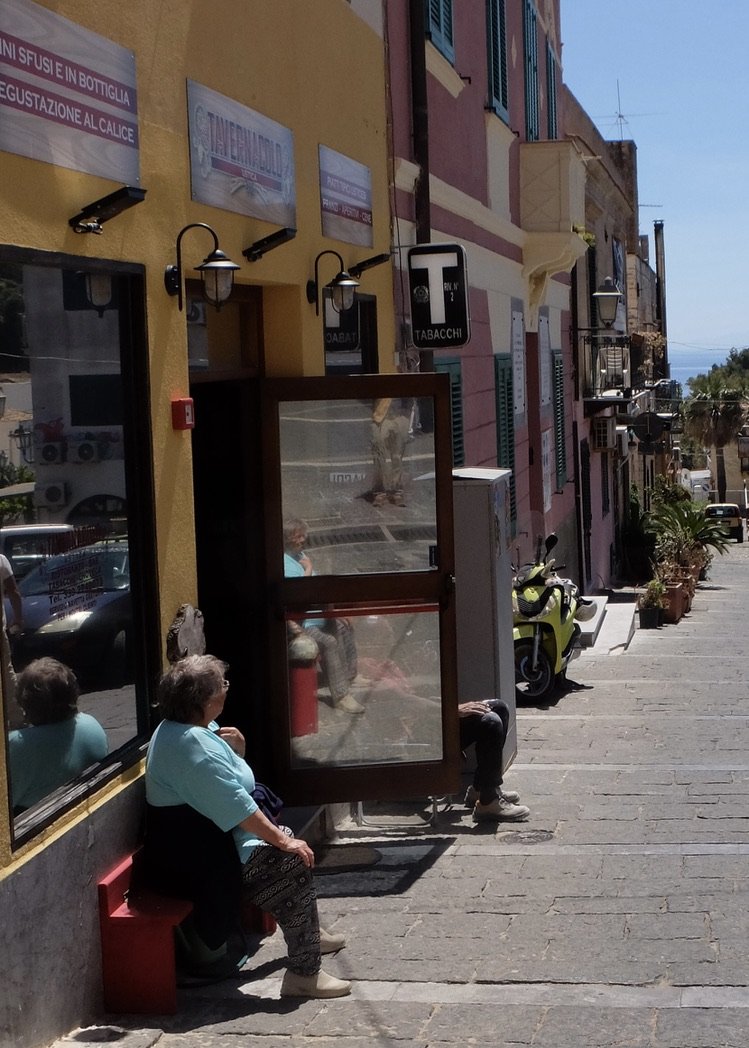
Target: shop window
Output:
[(78, 518)]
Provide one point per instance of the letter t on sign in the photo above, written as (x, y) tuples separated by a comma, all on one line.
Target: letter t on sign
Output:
[(438, 282)]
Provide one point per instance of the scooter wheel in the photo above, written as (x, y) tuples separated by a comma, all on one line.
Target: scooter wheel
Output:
[(532, 683)]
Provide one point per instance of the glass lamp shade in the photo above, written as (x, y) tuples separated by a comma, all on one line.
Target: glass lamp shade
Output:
[(342, 290), (217, 272), (608, 297), (99, 290)]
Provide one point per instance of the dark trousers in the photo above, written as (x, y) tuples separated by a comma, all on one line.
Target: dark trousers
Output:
[(487, 731)]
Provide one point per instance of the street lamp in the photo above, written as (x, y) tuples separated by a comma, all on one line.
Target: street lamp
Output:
[(608, 296), (342, 287), (216, 271)]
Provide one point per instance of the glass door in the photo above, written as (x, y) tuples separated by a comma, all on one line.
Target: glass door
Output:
[(360, 570)]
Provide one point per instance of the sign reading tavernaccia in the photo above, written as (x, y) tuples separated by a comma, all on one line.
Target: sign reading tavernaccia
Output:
[(240, 160), (67, 95)]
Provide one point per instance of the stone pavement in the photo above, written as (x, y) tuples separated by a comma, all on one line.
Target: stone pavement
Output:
[(616, 916)]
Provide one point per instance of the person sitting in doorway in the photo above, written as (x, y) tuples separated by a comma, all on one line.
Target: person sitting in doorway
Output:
[(484, 725), (334, 636)]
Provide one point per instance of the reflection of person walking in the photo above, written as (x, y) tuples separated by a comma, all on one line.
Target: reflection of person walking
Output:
[(389, 439)]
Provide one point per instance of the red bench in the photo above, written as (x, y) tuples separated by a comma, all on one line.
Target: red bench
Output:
[(137, 943)]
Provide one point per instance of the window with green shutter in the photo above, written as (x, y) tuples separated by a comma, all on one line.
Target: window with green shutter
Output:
[(530, 46), (452, 368), (560, 442), (506, 426), (496, 38), (439, 21), (552, 127)]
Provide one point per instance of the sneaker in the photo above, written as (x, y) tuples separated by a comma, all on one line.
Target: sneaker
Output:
[(500, 810), (331, 942), (319, 986), (472, 796), (379, 498), (349, 705), (397, 498)]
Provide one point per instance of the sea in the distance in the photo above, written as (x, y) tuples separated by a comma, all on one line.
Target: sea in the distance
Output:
[(686, 363)]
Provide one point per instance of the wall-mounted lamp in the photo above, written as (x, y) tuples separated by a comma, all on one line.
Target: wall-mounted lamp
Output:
[(98, 291), (342, 287), (93, 216), (24, 440), (368, 263), (216, 271), (256, 251), (608, 296)]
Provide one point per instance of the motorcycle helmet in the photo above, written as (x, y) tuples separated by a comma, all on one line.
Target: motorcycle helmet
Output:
[(586, 610)]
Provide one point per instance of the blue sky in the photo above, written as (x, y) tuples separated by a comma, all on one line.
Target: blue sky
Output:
[(682, 72)]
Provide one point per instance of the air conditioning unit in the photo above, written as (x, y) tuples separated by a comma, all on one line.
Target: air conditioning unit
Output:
[(622, 441), (52, 452), (83, 451), (51, 494), (603, 432)]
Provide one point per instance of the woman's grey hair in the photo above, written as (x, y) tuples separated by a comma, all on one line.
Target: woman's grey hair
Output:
[(187, 686), (47, 691), (291, 527)]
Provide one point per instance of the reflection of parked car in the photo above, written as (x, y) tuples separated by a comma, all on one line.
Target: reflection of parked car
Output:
[(729, 515), (76, 608), (27, 545)]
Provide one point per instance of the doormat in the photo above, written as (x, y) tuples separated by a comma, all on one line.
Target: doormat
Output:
[(384, 868)]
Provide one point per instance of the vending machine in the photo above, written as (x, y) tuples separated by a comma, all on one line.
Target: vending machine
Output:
[(483, 590)]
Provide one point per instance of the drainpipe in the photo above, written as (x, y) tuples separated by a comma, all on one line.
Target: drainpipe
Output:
[(575, 340), (420, 118), (660, 284), (420, 130)]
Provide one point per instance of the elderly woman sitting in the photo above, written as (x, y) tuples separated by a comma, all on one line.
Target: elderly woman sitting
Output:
[(207, 839)]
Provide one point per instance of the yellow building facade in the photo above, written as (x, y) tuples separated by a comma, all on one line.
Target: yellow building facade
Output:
[(284, 105)]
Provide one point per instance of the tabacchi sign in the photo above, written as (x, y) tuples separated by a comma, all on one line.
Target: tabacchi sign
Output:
[(67, 96), (438, 282)]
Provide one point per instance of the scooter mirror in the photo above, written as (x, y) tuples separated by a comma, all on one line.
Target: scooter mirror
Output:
[(551, 541)]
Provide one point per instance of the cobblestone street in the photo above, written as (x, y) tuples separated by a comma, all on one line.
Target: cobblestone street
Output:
[(616, 916)]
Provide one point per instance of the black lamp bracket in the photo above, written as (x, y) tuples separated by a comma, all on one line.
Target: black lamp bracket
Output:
[(261, 247), (93, 216)]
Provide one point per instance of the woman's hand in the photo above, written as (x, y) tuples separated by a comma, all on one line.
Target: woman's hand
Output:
[(295, 846), (305, 563), (234, 738), (469, 709)]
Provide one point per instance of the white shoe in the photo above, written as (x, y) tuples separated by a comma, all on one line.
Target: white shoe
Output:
[(349, 705), (472, 796), (320, 986), (331, 942), (500, 810)]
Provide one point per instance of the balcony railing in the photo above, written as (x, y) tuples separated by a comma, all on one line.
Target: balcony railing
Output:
[(607, 371)]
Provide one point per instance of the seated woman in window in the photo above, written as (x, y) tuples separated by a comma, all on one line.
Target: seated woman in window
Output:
[(334, 637), (58, 742), (207, 840)]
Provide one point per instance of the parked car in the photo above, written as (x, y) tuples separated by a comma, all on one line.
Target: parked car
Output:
[(729, 515), (27, 545), (77, 608)]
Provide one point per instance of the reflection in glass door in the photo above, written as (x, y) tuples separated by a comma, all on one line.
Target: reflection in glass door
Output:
[(360, 564)]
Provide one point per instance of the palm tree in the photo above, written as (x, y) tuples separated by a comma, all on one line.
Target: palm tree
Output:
[(713, 415)]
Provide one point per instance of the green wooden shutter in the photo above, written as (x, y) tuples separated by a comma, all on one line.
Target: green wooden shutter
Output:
[(506, 425), (560, 442), (530, 44), (452, 368), (440, 26), (496, 37), (552, 128)]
